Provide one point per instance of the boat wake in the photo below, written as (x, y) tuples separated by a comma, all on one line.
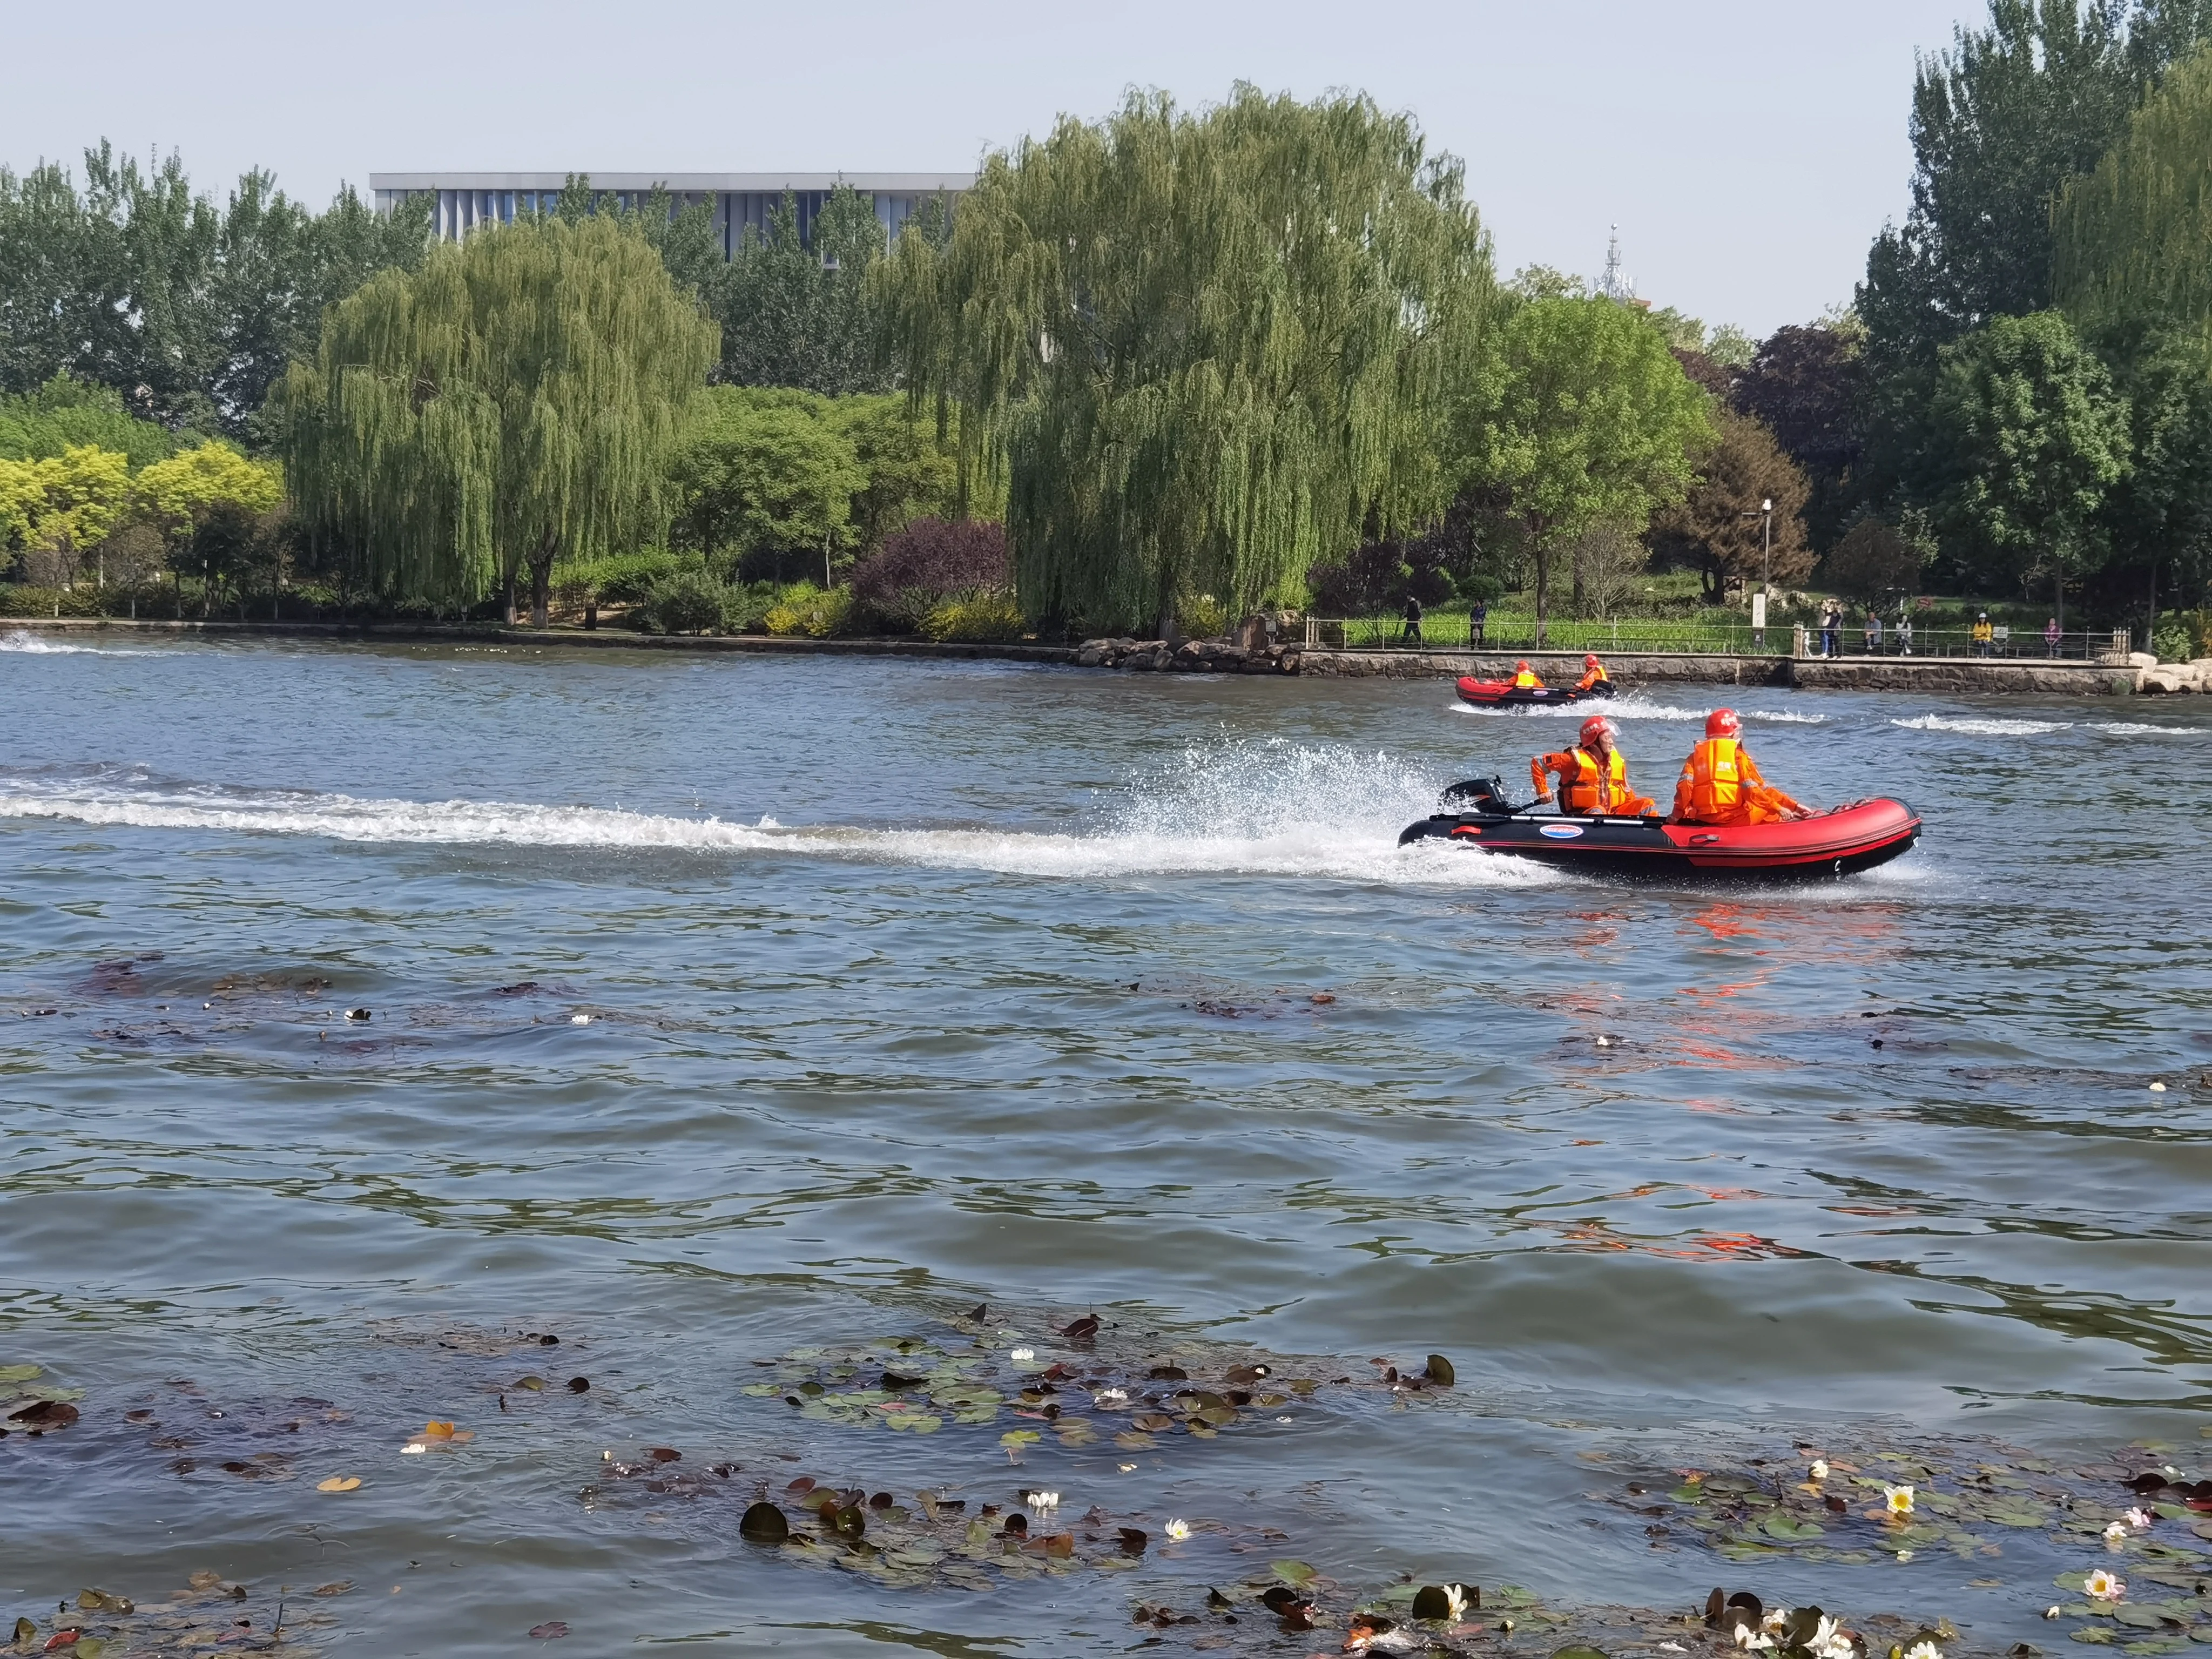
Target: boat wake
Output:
[(1633, 705), (1266, 809), (32, 644), (1994, 727)]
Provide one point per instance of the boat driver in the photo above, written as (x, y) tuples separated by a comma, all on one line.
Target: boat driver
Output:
[(1721, 785), (1594, 675), (1592, 775), (1526, 679)]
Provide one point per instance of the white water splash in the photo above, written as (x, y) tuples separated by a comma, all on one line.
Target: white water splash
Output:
[(2137, 729), (1266, 809), (1634, 706), (32, 645), (1984, 728)]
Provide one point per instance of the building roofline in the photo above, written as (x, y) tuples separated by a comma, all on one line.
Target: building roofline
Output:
[(894, 184)]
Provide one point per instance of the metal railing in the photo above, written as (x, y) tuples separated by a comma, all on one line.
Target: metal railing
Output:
[(1451, 632)]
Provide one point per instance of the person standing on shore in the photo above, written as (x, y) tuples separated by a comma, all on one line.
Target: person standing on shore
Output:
[(1982, 633), (1478, 617), (1832, 627), (1904, 632), (1412, 635), (1874, 632), (2050, 637)]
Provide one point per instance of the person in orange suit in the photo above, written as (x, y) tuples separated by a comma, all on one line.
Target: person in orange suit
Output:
[(1525, 679), (1593, 674), (1720, 783), (1593, 774)]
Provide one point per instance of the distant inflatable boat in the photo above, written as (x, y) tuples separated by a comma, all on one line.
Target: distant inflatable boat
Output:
[(1503, 694), (1841, 842)]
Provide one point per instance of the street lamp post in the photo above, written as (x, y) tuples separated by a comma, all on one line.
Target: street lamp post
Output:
[(1765, 515)]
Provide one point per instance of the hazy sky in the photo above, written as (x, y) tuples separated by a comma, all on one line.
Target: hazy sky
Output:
[(1747, 149)]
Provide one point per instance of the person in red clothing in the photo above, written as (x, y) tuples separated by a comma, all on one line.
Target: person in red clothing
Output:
[(1721, 785), (1525, 679), (1593, 774), (1593, 674)]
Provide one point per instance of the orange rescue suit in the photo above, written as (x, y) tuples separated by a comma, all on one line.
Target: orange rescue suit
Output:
[(1525, 680), (1590, 783), (1593, 676), (1721, 785)]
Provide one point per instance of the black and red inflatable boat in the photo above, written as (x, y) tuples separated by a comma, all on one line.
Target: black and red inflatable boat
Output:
[(1503, 694), (1841, 842)]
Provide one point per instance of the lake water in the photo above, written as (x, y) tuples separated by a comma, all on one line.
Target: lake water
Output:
[(726, 1011)]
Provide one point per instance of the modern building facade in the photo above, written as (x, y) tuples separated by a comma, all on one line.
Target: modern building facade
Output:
[(466, 200)]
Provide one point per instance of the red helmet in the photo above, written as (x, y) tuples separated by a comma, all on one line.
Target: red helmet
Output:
[(1520, 667), (1723, 723), (1591, 662), (1598, 726)]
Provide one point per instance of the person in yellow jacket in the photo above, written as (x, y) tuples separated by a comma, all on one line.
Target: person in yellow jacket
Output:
[(1720, 784), (1592, 775), (1983, 634), (1526, 679)]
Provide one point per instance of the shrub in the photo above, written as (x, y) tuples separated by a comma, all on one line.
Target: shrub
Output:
[(620, 579), (1205, 617), (27, 599), (2172, 643), (928, 563), (805, 608), (686, 602), (982, 616)]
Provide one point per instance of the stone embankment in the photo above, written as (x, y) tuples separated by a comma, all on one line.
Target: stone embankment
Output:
[(2018, 675)]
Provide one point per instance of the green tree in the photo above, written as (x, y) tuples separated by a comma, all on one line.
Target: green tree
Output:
[(763, 476), (910, 475), (1721, 527), (509, 405), (795, 310), (1585, 417), (1207, 349), (2035, 440), (1807, 384), (66, 412), (188, 311)]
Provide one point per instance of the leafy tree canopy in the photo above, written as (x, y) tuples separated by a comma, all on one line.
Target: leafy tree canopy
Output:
[(186, 310), (66, 412), (1206, 348), (509, 405), (178, 494), (1584, 415), (1720, 525), (2035, 440)]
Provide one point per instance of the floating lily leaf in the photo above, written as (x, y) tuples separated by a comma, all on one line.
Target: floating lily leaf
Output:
[(1134, 1442), (101, 1600), (1296, 1574), (19, 1373), (579, 1385), (1781, 1526), (1280, 1599), (1441, 1372), (1015, 1439), (1431, 1601), (763, 1524), (2136, 1613), (26, 1632), (339, 1483), (549, 1629), (535, 1384)]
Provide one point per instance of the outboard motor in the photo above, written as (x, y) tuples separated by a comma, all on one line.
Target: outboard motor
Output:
[(1479, 795)]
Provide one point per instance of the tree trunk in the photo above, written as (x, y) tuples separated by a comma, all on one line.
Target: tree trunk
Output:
[(1543, 544), (1581, 584), (2151, 623), (541, 579), (510, 598)]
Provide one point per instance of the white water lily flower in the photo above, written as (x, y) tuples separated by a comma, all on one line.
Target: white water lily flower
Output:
[(2104, 1586), (1111, 1397), (1455, 1600), (2053, 1611), (1904, 1555), (1776, 1618), (2140, 1519), (579, 1019), (2117, 1533), (1829, 1641), (1745, 1637), (1041, 1500), (1923, 1650), (1022, 1354), (1820, 1469), (1899, 1500), (1176, 1531), (413, 1448)]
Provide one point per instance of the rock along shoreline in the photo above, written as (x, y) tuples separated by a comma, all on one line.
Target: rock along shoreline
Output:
[(2016, 676)]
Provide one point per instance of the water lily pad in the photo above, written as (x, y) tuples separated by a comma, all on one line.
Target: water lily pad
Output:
[(1298, 1574), (18, 1373), (1781, 1526)]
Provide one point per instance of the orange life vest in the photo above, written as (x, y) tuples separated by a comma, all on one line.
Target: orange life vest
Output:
[(1585, 784), (1592, 677), (1714, 777)]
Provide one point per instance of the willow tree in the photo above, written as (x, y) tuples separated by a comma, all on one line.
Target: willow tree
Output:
[(1203, 350), (2131, 236), (506, 407)]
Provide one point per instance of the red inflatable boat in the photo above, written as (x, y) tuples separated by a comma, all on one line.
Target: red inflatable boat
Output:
[(1503, 694), (1839, 842)]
